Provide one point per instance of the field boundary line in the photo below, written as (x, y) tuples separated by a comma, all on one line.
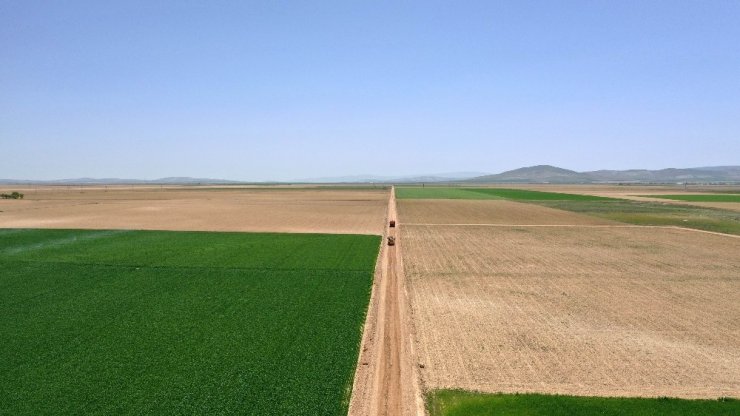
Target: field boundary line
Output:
[(701, 231), (666, 227)]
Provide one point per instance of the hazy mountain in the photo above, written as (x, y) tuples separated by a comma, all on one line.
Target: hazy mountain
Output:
[(552, 174), (368, 178), (536, 174), (532, 174), (734, 169), (118, 181)]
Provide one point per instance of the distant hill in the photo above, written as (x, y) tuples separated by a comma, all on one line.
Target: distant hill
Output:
[(442, 177), (552, 174), (118, 181), (531, 174), (535, 174), (434, 177), (668, 175)]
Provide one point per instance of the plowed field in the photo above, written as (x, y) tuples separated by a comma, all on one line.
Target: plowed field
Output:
[(570, 309), (199, 209)]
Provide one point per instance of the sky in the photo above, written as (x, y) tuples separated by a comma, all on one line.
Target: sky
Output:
[(281, 90)]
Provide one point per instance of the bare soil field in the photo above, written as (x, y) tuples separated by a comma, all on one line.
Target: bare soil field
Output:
[(469, 211), (581, 310), (198, 209)]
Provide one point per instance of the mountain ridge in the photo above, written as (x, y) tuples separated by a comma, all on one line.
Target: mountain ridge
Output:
[(529, 174), (173, 180), (553, 174)]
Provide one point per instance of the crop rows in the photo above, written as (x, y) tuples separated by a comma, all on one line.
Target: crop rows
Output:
[(461, 403), (113, 322)]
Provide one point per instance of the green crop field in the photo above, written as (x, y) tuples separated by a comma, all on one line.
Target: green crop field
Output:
[(148, 322), (525, 195), (439, 193), (460, 403), (489, 193), (655, 213), (701, 197)]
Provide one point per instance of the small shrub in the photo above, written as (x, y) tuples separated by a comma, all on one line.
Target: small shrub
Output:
[(13, 195)]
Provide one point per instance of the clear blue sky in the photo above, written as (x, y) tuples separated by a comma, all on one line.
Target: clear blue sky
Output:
[(279, 90)]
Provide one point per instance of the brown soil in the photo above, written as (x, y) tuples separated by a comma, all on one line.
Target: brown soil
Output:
[(608, 311), (446, 211), (199, 209)]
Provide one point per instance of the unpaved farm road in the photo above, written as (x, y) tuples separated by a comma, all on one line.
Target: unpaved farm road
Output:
[(390, 386), (398, 390), (388, 398)]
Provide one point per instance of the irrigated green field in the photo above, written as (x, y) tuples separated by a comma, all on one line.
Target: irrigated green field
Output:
[(652, 213), (147, 322), (701, 197), (489, 193), (460, 403), (440, 193)]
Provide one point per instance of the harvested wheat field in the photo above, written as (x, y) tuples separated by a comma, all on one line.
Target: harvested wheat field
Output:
[(469, 211), (339, 211), (581, 310)]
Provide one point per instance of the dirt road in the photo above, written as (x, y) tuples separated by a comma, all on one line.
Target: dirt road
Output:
[(387, 381)]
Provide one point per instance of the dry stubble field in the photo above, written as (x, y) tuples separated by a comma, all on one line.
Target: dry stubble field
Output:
[(606, 311), (305, 210)]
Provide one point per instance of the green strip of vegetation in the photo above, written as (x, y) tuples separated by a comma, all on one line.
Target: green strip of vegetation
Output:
[(489, 193), (439, 192), (655, 213), (369, 187), (700, 197), (526, 195), (462, 403), (145, 322), (281, 187)]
